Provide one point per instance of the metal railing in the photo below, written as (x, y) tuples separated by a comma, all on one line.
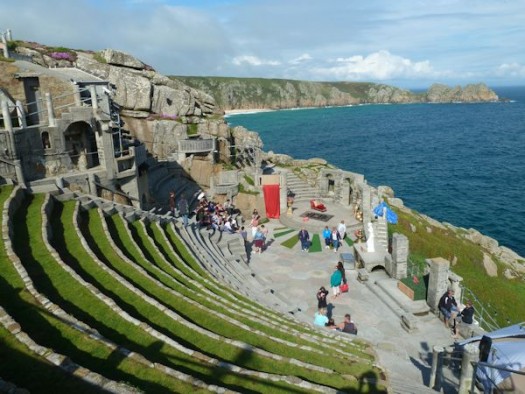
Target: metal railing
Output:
[(196, 146), (493, 386)]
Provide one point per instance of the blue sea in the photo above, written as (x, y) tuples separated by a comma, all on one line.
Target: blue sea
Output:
[(458, 163)]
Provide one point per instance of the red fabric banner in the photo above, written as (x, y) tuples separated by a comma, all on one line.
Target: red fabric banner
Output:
[(272, 201)]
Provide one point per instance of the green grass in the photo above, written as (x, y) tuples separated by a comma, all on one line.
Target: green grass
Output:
[(493, 291), (290, 242), (54, 333), (349, 241), (316, 244), (281, 233)]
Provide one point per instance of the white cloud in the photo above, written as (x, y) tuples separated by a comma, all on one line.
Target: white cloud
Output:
[(253, 61), (511, 70), (301, 59), (381, 65)]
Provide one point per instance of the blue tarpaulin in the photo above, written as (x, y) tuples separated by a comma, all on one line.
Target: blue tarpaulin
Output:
[(391, 216)]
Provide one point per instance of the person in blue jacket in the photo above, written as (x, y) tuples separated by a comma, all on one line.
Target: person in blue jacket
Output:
[(327, 235)]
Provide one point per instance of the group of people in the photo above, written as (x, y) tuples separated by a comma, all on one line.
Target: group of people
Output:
[(216, 216), (334, 237), (322, 319), (448, 306)]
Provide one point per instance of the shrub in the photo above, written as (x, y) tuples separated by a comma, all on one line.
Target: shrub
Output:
[(99, 58)]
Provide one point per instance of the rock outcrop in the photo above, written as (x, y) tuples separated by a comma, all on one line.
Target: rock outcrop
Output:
[(257, 93)]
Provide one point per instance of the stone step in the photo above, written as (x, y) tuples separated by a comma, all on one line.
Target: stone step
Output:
[(399, 385)]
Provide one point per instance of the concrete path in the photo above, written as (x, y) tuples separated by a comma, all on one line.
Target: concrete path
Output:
[(297, 275)]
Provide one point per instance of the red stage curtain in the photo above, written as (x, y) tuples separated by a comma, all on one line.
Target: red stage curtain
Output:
[(271, 200)]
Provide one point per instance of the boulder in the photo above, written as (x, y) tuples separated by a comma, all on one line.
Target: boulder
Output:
[(490, 266), (133, 90), (167, 100), (121, 59)]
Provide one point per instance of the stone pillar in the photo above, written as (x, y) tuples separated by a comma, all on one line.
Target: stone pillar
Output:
[(366, 204), (437, 281), (6, 51), (8, 34), (399, 256), (470, 354), (92, 184), (8, 125), (21, 114), (370, 239), (435, 372), (283, 192), (50, 112), (78, 99), (94, 100)]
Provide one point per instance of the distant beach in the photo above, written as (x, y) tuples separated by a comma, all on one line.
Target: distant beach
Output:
[(231, 112)]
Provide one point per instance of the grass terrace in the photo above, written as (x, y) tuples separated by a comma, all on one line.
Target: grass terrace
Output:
[(133, 303)]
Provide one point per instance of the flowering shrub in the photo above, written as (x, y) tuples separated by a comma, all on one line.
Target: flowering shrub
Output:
[(62, 56)]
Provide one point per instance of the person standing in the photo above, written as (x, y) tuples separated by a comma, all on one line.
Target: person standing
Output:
[(336, 239), (171, 202), (184, 210), (335, 282), (327, 235), (304, 237)]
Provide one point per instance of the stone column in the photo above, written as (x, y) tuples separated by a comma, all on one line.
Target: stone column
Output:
[(21, 114), (8, 125), (50, 112), (435, 373), (94, 100), (437, 281), (4, 41), (399, 256), (8, 34), (78, 99), (283, 197), (470, 354)]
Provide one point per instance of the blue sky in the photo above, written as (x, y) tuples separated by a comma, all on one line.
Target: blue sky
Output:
[(408, 43)]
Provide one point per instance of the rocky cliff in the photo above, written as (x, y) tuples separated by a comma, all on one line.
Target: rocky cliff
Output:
[(250, 93)]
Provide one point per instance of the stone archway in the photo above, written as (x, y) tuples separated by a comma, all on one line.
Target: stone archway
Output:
[(81, 145)]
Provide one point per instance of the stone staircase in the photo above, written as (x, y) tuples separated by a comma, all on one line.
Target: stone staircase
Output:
[(301, 189), (381, 233)]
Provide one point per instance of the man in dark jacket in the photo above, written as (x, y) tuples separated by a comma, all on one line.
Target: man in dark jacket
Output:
[(448, 307)]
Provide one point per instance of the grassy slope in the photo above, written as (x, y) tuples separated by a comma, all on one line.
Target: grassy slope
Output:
[(493, 291)]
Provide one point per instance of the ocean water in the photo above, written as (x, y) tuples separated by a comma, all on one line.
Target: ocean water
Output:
[(459, 163)]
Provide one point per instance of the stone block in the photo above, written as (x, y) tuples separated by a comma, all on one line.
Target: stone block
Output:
[(362, 275), (409, 322)]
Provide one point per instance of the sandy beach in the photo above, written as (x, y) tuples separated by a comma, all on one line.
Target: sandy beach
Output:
[(231, 112)]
